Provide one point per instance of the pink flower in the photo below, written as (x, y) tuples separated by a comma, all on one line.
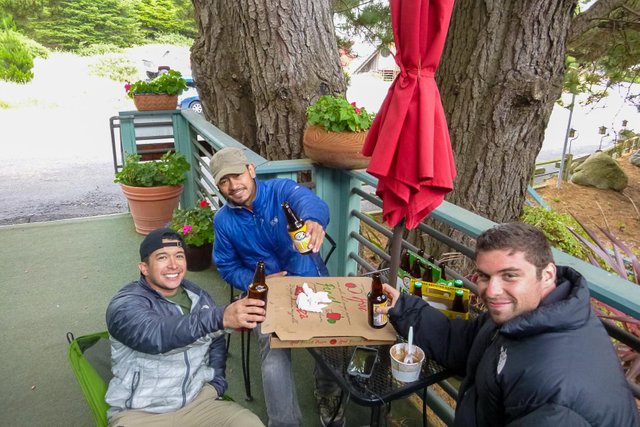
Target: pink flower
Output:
[(204, 203), (186, 229), (127, 86), (355, 108)]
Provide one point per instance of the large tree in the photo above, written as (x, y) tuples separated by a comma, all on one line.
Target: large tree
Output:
[(260, 64), (501, 72)]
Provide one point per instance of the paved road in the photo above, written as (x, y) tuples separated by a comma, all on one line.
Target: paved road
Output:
[(53, 169)]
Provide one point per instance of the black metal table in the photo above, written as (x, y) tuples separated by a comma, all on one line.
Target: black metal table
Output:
[(381, 388)]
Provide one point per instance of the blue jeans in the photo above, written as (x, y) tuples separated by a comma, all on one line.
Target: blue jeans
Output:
[(279, 386)]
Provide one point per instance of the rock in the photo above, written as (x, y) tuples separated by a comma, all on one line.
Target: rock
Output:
[(600, 171), (635, 159)]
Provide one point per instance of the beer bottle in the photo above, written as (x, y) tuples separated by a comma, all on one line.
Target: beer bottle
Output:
[(458, 302), (417, 289), (405, 262), (297, 230), (432, 259), (258, 288), (443, 267), (458, 283), (416, 272), (377, 298), (427, 276), (421, 253)]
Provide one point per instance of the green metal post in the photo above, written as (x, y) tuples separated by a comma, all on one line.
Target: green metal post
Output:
[(334, 187), (183, 137)]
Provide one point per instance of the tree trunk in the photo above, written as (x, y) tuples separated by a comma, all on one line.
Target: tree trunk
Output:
[(259, 65), (500, 75)]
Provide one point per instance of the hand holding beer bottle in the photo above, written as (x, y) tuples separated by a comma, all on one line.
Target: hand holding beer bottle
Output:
[(307, 235), (258, 288)]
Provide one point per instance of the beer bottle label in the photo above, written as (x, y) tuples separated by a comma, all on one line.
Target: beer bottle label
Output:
[(300, 239), (380, 319)]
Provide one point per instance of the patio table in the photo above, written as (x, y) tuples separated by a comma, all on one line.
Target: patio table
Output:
[(381, 388)]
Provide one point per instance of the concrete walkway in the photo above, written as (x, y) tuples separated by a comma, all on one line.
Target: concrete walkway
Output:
[(59, 277)]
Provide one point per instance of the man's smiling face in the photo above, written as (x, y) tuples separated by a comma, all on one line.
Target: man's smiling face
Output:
[(239, 188), (165, 269), (510, 285)]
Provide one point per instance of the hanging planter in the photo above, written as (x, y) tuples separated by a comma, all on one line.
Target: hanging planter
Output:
[(154, 101), (342, 150), (335, 133)]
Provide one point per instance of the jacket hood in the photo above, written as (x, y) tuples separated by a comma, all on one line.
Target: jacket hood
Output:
[(566, 307)]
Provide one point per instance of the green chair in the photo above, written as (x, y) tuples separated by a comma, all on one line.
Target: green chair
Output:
[(90, 359)]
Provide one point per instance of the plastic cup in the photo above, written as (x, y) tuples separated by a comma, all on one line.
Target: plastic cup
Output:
[(406, 372)]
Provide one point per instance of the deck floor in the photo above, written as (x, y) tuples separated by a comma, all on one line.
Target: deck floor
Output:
[(58, 277)]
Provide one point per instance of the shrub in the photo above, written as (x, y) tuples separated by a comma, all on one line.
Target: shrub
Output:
[(35, 49), (16, 61), (98, 49), (116, 68), (173, 39), (554, 225)]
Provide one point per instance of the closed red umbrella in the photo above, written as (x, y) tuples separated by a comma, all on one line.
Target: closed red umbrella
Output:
[(409, 141)]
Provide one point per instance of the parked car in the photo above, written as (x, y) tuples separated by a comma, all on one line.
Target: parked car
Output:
[(190, 98)]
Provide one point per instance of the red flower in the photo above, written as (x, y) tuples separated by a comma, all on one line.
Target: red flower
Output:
[(355, 108), (204, 203)]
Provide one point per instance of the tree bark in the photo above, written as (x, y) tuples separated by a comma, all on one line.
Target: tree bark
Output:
[(259, 65), (501, 72)]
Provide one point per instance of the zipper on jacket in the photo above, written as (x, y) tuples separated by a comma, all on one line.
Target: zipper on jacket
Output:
[(134, 385), (186, 378)]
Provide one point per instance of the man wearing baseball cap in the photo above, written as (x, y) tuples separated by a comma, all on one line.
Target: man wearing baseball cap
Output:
[(168, 350), (250, 227)]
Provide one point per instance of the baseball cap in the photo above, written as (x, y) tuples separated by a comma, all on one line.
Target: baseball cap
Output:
[(155, 240), (228, 161)]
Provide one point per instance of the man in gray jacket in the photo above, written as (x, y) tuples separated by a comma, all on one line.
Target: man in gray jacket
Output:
[(168, 351)]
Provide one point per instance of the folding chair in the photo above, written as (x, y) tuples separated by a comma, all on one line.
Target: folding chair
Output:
[(90, 359), (245, 335)]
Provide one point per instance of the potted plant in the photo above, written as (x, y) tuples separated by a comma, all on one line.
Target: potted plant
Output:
[(335, 133), (152, 188), (160, 93), (195, 224)]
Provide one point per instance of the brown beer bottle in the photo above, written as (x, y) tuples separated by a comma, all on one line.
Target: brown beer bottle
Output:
[(417, 289), (432, 259), (297, 230), (258, 288), (377, 298), (416, 272), (405, 262), (443, 267), (458, 302), (427, 276), (421, 253)]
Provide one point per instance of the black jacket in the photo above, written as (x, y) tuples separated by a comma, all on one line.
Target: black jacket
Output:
[(552, 366)]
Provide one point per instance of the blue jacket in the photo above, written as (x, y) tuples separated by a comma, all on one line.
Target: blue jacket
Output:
[(161, 357), (243, 237), (553, 366)]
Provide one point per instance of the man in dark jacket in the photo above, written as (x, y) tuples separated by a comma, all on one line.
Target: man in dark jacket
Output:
[(538, 356), (168, 350), (251, 227)]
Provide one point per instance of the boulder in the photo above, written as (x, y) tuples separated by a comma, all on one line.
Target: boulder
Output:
[(635, 159), (600, 171)]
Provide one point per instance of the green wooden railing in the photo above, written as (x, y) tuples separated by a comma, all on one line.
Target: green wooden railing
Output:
[(344, 191)]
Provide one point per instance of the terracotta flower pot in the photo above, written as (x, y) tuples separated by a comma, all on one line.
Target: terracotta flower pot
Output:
[(342, 150), (198, 257), (155, 101), (151, 207)]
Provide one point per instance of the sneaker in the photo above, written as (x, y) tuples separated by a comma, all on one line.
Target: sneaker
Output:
[(331, 409)]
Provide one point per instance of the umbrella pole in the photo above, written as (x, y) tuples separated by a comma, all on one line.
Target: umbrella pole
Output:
[(396, 248)]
